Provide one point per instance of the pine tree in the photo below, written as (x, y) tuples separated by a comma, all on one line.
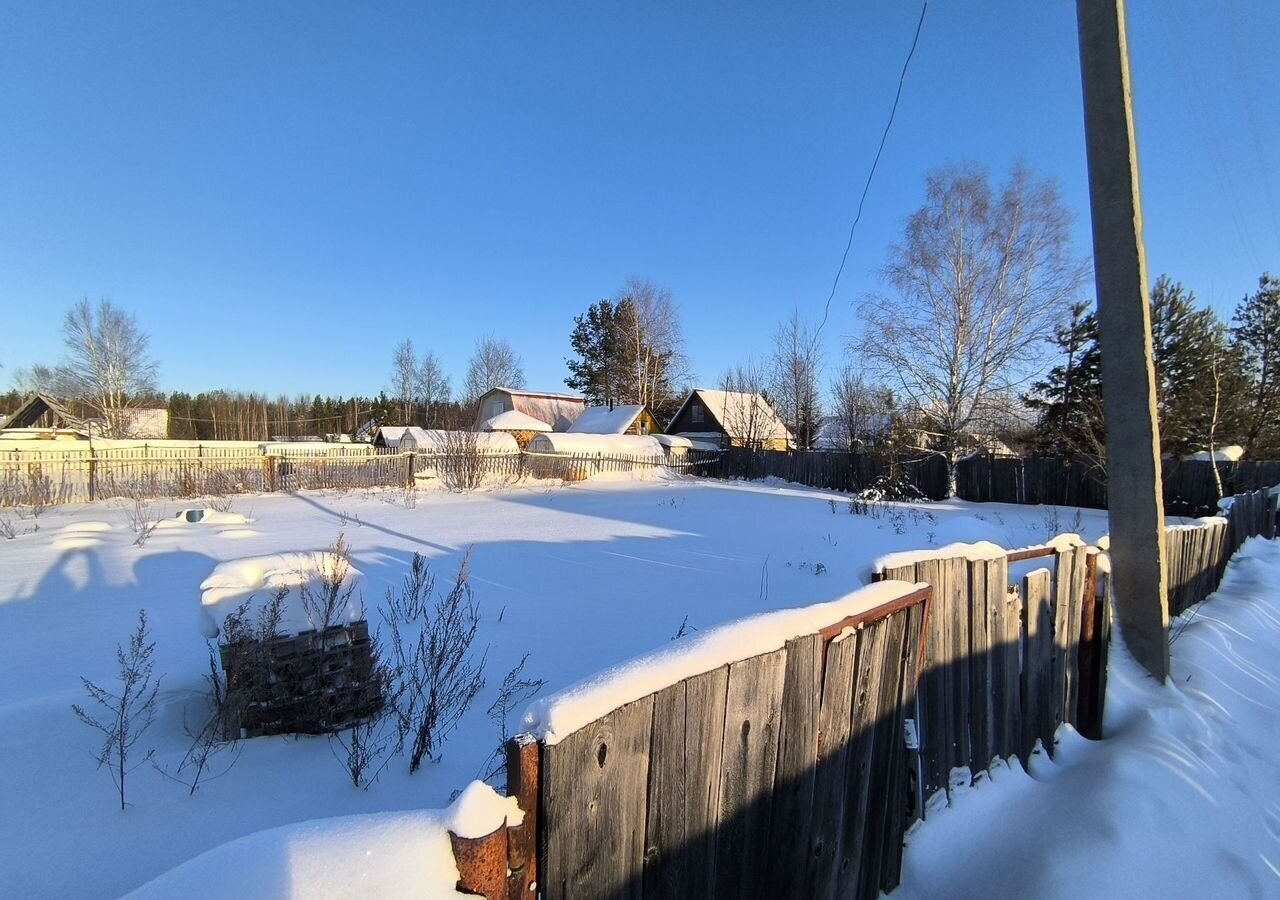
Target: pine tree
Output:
[(597, 340), (1256, 333), (1069, 399)]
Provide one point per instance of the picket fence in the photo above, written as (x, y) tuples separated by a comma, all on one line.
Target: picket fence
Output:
[(54, 477)]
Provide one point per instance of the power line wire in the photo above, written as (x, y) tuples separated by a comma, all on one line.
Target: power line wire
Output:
[(866, 188)]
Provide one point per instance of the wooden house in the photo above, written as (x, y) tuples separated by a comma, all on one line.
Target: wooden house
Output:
[(557, 410), (730, 419)]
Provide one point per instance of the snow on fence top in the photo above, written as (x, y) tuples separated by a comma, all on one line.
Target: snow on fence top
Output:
[(403, 854), (553, 718), (975, 551), (621, 444), (979, 550)]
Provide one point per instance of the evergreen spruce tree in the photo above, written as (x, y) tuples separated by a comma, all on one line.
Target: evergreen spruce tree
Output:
[(1069, 398), (1256, 335)]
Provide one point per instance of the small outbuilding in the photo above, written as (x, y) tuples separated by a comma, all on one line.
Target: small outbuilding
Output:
[(631, 419)]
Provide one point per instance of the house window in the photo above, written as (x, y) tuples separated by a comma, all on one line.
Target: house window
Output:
[(695, 413), (495, 408)]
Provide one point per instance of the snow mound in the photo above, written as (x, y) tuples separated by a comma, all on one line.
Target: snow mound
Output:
[(233, 582), (975, 551), (514, 420), (555, 717), (403, 855), (201, 516), (84, 528), (1234, 453)]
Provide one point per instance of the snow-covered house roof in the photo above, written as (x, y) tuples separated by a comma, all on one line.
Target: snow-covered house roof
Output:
[(606, 420), (557, 410), (513, 420), (736, 411), (394, 435)]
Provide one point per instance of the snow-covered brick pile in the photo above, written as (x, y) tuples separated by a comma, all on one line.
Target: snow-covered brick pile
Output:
[(255, 579), (555, 717), (404, 855)]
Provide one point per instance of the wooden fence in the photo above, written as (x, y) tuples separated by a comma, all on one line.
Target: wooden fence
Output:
[(780, 775), (1188, 485), (837, 471), (47, 478), (795, 774)]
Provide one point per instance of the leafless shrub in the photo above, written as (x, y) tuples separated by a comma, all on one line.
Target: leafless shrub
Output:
[(141, 520), (222, 503), (436, 677), (7, 530), (329, 593), (31, 494), (367, 746), (684, 630), (124, 716), (462, 465), (214, 748), (515, 691)]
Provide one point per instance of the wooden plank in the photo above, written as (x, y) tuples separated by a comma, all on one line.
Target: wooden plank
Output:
[(705, 699), (827, 853), (903, 793), (1061, 612), (1075, 601), (1006, 637), (749, 756), (958, 669), (594, 802), (935, 739), (1037, 666), (982, 648), (886, 755), (793, 794), (665, 874)]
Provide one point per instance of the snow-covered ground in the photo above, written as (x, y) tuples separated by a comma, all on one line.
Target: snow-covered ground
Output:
[(580, 577)]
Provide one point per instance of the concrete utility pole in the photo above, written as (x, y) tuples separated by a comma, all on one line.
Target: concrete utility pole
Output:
[(1124, 329)]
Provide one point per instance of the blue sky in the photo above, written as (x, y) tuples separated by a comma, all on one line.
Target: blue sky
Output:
[(282, 191)]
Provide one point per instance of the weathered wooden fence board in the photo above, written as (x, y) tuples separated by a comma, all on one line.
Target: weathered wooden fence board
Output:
[(750, 754), (839, 761), (595, 793), (793, 794), (1038, 717)]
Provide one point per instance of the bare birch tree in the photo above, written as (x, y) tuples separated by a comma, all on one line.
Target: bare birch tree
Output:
[(980, 279), (108, 364), (404, 379), (493, 364), (432, 387), (861, 409), (794, 370), (653, 340)]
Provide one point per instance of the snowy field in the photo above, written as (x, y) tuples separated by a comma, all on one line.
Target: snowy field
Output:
[(580, 577)]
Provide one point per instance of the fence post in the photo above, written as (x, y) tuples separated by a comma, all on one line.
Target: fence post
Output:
[(523, 779), (93, 476), (409, 475), (1088, 701)]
